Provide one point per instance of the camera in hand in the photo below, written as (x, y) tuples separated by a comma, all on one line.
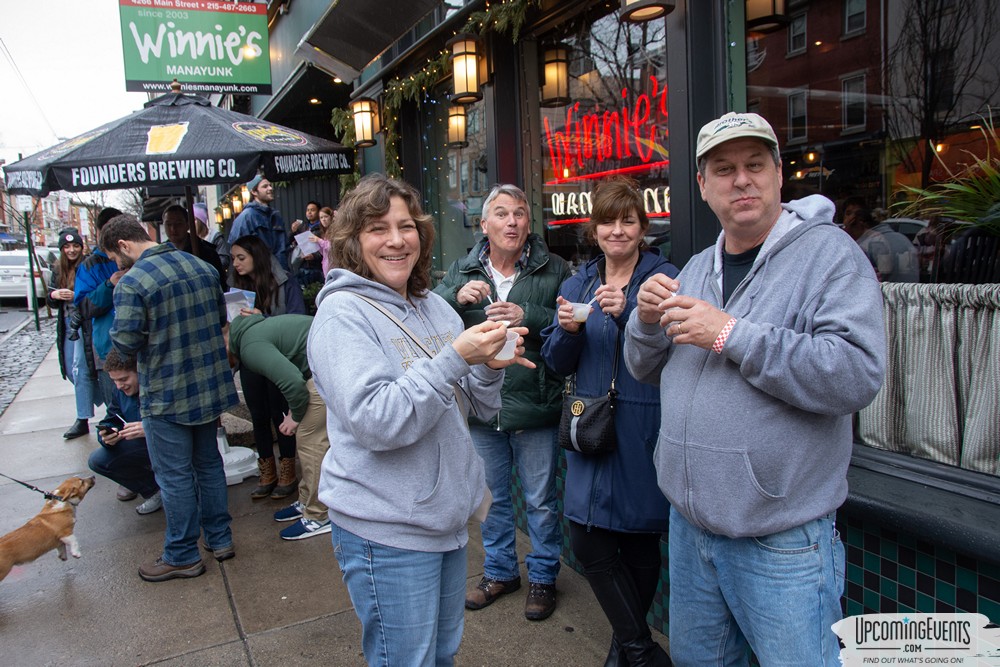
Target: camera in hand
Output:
[(75, 322)]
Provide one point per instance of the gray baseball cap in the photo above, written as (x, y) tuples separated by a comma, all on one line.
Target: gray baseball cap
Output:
[(733, 126)]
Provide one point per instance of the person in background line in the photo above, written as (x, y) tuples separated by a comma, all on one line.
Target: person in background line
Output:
[(756, 408), (615, 510), (327, 216), (401, 478), (256, 270), (93, 288), (510, 276), (275, 348), (175, 222), (72, 359), (258, 219), (309, 266), (210, 232), (170, 312), (122, 456), (311, 223)]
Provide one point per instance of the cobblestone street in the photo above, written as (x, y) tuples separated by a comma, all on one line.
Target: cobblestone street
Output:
[(20, 355)]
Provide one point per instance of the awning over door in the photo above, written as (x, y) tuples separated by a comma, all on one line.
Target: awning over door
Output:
[(353, 32)]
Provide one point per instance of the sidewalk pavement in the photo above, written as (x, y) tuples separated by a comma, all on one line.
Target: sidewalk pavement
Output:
[(276, 603)]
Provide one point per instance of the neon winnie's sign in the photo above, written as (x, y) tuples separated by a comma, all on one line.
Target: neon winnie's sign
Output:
[(595, 139), (918, 639), (591, 143), (207, 45)]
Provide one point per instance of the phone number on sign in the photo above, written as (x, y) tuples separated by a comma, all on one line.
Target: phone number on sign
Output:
[(242, 7)]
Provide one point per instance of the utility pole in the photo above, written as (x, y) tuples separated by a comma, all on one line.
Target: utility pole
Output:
[(26, 209)]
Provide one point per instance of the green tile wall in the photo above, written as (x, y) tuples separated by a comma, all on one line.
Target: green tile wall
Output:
[(890, 572)]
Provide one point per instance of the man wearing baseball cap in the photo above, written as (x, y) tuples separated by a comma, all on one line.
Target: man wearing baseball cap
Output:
[(259, 219), (763, 347)]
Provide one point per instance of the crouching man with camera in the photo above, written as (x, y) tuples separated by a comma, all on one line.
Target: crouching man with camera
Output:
[(123, 456)]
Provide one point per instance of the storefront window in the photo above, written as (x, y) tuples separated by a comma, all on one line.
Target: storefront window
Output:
[(455, 183), (614, 121), (904, 102)]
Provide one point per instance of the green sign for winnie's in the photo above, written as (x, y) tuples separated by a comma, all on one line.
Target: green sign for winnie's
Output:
[(209, 46)]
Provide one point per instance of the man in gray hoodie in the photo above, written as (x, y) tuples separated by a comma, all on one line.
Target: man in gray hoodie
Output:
[(755, 436)]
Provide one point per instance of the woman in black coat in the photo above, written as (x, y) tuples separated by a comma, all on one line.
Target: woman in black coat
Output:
[(72, 357)]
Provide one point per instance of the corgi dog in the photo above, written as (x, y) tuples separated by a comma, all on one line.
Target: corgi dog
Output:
[(52, 528)]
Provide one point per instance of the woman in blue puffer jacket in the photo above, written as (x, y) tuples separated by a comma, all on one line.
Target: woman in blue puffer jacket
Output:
[(615, 509)]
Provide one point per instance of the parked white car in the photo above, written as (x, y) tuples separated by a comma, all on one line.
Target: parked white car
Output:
[(14, 276)]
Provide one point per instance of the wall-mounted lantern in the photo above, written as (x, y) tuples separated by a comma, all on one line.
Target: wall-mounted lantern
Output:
[(465, 69), (456, 127), (640, 11), (237, 203), (366, 121), (766, 15), (555, 89)]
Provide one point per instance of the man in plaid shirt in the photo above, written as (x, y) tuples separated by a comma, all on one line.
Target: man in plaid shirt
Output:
[(169, 312)]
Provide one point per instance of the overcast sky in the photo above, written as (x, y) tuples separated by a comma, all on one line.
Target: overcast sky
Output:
[(69, 53)]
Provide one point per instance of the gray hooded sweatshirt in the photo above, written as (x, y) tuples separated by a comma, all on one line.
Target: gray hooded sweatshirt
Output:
[(757, 439), (401, 469)]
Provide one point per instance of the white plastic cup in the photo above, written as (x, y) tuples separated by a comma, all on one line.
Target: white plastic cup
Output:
[(581, 311), (508, 349)]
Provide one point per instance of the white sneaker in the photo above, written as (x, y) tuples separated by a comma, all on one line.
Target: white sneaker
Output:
[(151, 504)]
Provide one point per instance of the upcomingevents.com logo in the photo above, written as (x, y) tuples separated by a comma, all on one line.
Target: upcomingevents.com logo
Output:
[(923, 639)]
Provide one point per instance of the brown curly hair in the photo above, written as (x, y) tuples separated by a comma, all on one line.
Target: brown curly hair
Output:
[(369, 201)]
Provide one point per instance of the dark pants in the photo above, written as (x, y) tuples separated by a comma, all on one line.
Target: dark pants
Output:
[(126, 463), (623, 570), (267, 406)]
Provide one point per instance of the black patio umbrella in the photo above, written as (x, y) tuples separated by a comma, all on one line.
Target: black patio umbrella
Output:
[(176, 139)]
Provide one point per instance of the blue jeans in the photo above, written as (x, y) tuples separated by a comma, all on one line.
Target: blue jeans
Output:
[(192, 482), (535, 452), (84, 386), (779, 593), (411, 603)]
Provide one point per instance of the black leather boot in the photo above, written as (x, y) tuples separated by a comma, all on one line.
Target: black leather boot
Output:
[(79, 427), (645, 653), (616, 657), (621, 603)]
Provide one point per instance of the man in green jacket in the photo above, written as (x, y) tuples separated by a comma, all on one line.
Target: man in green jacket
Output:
[(511, 276), (275, 347)]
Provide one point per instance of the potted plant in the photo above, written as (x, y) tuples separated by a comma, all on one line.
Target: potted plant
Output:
[(967, 244)]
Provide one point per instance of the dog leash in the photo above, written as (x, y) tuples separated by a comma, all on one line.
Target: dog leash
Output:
[(48, 496)]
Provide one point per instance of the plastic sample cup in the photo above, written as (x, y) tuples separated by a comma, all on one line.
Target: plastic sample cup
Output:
[(507, 351), (581, 311)]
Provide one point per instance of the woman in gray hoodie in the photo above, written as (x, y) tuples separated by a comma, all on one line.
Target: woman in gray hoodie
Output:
[(399, 375)]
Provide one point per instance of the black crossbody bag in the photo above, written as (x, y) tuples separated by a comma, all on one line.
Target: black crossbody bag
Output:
[(587, 425)]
